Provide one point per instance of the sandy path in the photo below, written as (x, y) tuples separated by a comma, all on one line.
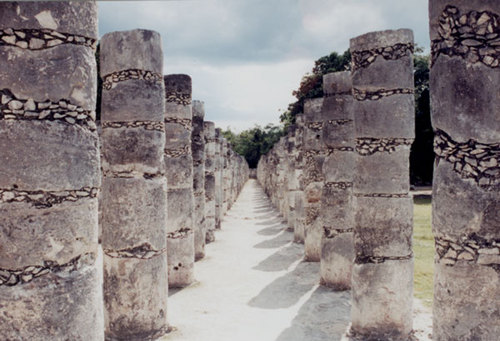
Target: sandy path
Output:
[(254, 286)]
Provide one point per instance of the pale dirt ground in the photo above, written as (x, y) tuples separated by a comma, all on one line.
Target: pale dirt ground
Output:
[(254, 286)]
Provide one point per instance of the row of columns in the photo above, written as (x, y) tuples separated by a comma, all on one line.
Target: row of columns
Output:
[(347, 157), (100, 218)]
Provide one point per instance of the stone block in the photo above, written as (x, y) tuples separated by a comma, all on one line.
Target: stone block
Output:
[(383, 227), (180, 209), (67, 159), (383, 172), (337, 258), (384, 291), (134, 213), (337, 208), (179, 172), (180, 249), (339, 167), (335, 83), (131, 150)]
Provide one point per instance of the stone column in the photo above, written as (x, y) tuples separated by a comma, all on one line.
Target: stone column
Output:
[(382, 281), (465, 102), (292, 179), (225, 176), (179, 171), (218, 178), (198, 148), (314, 155), (337, 249), (299, 226), (134, 197), (209, 134), (50, 260)]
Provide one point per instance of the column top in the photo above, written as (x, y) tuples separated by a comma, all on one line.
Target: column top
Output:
[(337, 83), (378, 39)]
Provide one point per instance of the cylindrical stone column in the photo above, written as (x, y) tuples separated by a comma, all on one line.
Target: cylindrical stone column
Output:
[(198, 149), (292, 179), (382, 281), (218, 178), (299, 226), (134, 194), (465, 102), (179, 172), (337, 249), (314, 156), (50, 260), (209, 134)]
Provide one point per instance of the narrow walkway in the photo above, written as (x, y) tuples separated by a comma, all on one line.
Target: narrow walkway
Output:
[(253, 284)]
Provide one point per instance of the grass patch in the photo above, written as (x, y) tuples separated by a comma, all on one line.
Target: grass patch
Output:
[(423, 248)]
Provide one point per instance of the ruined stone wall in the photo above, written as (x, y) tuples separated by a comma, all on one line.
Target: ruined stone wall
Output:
[(314, 157), (134, 198), (337, 213), (382, 280), (198, 148), (210, 144), (179, 172), (50, 260), (464, 81)]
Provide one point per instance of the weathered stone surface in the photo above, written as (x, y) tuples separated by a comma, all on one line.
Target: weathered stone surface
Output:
[(139, 311), (382, 80), (313, 221), (198, 148), (338, 167), (337, 258), (371, 284), (51, 264), (132, 150), (465, 307), (219, 165), (118, 47), (209, 130), (134, 203), (179, 171), (55, 171), (134, 198), (466, 185), (300, 220)]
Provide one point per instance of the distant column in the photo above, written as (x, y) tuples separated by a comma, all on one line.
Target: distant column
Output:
[(314, 156), (179, 171), (337, 249), (292, 180), (198, 148), (218, 177), (382, 281), (209, 130), (465, 102), (299, 226), (134, 198), (50, 260)]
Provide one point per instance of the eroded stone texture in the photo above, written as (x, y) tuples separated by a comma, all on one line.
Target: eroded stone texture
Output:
[(50, 261), (382, 80), (219, 165), (337, 212), (210, 144), (134, 196), (179, 172), (198, 149), (314, 158), (464, 98), (299, 226)]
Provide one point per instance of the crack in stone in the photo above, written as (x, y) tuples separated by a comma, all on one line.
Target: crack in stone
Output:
[(39, 39), (363, 59), (361, 95), (360, 259), (11, 277), (178, 97), (371, 145), (330, 232), (173, 153), (471, 159), (143, 251), (381, 195), (13, 108), (185, 122), (470, 248), (132, 174), (148, 125), (46, 199), (181, 233), (473, 36), (111, 80)]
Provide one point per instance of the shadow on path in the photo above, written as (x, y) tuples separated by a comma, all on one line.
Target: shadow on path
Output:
[(324, 316), (286, 291), (280, 240), (282, 259)]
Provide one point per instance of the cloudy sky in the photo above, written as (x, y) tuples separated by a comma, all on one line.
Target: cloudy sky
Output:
[(247, 56)]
